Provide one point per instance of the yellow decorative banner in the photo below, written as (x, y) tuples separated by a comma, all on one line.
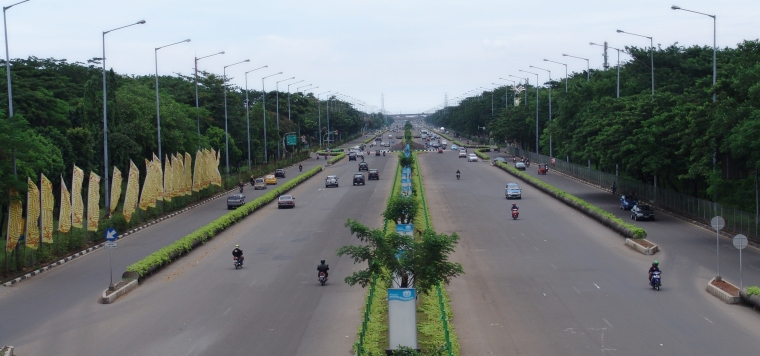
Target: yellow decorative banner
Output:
[(115, 189), (133, 191), (168, 181), (145, 196), (32, 216), (77, 205), (216, 179), (196, 172), (64, 215), (179, 189), (159, 178), (15, 221), (187, 166), (93, 202), (47, 204)]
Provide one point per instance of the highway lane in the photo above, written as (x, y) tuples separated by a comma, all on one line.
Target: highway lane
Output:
[(555, 282), (201, 305), (77, 284)]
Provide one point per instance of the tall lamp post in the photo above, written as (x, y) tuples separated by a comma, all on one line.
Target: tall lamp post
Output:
[(197, 106), (277, 95), (105, 115), (550, 108), (618, 64), (714, 39), (536, 74), (264, 106), (588, 68), (319, 113), (226, 135), (546, 60), (506, 100), (247, 116), (8, 73), (506, 93), (289, 119), (158, 108), (651, 53), (298, 89)]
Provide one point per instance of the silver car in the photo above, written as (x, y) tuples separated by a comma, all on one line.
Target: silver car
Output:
[(513, 191), (331, 181)]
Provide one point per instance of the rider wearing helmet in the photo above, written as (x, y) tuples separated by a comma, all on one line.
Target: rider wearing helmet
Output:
[(514, 206), (237, 252), (323, 268), (655, 268)]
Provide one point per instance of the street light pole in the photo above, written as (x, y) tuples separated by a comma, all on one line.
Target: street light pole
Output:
[(158, 108), (247, 116), (289, 119), (536, 74), (277, 95), (546, 60), (550, 108), (319, 113), (618, 65), (714, 17), (197, 107), (226, 135), (264, 106), (506, 99), (8, 74), (105, 115), (588, 68), (651, 53)]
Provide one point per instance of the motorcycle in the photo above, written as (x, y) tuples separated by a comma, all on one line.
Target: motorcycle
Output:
[(655, 282), (515, 214), (383, 153), (238, 262), (322, 278), (457, 176), (241, 189), (300, 168)]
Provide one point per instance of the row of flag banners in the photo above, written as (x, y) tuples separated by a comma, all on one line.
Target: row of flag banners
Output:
[(176, 178)]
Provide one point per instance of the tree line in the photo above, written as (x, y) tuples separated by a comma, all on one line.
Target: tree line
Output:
[(679, 135)]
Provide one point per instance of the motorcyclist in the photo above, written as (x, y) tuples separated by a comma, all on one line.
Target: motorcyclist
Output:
[(240, 185), (323, 268), (300, 167), (237, 252), (458, 173), (514, 207), (655, 268)]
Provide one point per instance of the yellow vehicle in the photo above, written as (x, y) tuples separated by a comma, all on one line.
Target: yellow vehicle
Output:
[(270, 179)]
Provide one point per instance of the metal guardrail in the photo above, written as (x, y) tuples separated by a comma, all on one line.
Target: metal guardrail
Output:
[(701, 210)]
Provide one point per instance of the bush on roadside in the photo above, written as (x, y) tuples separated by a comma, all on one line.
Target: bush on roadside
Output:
[(753, 290)]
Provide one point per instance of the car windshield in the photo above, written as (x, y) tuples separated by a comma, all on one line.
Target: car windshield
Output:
[(286, 197), (236, 196), (513, 186), (259, 180), (373, 170), (332, 177), (644, 208), (358, 176)]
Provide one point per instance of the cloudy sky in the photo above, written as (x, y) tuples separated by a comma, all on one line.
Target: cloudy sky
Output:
[(411, 51)]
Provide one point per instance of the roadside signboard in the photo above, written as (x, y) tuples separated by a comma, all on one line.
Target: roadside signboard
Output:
[(291, 140), (110, 234), (111, 244)]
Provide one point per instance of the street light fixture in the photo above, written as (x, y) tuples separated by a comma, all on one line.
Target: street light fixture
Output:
[(588, 69), (247, 116), (550, 107), (651, 53), (197, 107), (546, 60), (8, 73), (714, 17), (319, 113), (536, 74), (298, 89), (105, 114), (226, 135), (158, 109), (277, 95), (618, 64), (264, 106)]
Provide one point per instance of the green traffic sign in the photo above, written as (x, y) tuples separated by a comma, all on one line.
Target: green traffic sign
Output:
[(291, 140)]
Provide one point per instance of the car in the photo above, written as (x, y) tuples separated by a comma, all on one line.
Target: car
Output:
[(462, 153), (279, 173), (235, 200), (373, 174), (363, 166), (513, 191), (331, 181), (358, 179), (472, 158), (642, 212), (270, 179), (377, 152), (627, 202), (499, 159), (352, 156), (435, 145), (521, 166), (259, 184), (454, 147), (286, 201)]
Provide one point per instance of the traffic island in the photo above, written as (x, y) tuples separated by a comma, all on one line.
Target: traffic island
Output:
[(121, 288), (724, 291), (642, 245), (6, 351)]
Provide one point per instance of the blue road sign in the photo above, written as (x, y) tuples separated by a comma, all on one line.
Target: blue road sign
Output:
[(111, 234)]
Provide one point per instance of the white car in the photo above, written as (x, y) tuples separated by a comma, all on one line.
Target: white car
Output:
[(462, 153), (472, 158)]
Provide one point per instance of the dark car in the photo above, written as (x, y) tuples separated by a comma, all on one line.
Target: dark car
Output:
[(358, 179), (352, 156), (235, 200), (628, 201), (377, 152), (642, 212), (373, 174), (279, 173), (286, 201), (363, 166)]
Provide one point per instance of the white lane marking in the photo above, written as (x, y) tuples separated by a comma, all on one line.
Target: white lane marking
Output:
[(754, 268), (555, 267), (535, 248), (228, 310), (544, 294), (191, 350), (252, 283), (523, 234), (607, 322), (576, 290), (708, 319), (597, 287)]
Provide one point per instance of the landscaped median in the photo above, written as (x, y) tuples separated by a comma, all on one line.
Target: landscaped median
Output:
[(143, 268), (628, 230)]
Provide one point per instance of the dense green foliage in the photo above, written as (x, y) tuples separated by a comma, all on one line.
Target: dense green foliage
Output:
[(671, 135)]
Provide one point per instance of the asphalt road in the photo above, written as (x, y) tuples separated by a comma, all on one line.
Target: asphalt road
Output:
[(57, 312), (555, 282)]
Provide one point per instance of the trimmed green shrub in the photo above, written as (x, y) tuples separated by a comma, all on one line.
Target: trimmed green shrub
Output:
[(753, 290), (337, 158)]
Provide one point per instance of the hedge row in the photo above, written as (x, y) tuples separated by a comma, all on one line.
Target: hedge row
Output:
[(606, 218), (483, 156), (166, 254), (337, 158), (373, 137)]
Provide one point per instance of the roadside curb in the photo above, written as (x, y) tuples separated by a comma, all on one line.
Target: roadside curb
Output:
[(6, 351), (722, 295), (108, 299), (638, 247)]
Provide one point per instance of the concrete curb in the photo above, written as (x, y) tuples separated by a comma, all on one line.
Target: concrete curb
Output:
[(720, 294), (644, 250), (6, 351), (108, 299)]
